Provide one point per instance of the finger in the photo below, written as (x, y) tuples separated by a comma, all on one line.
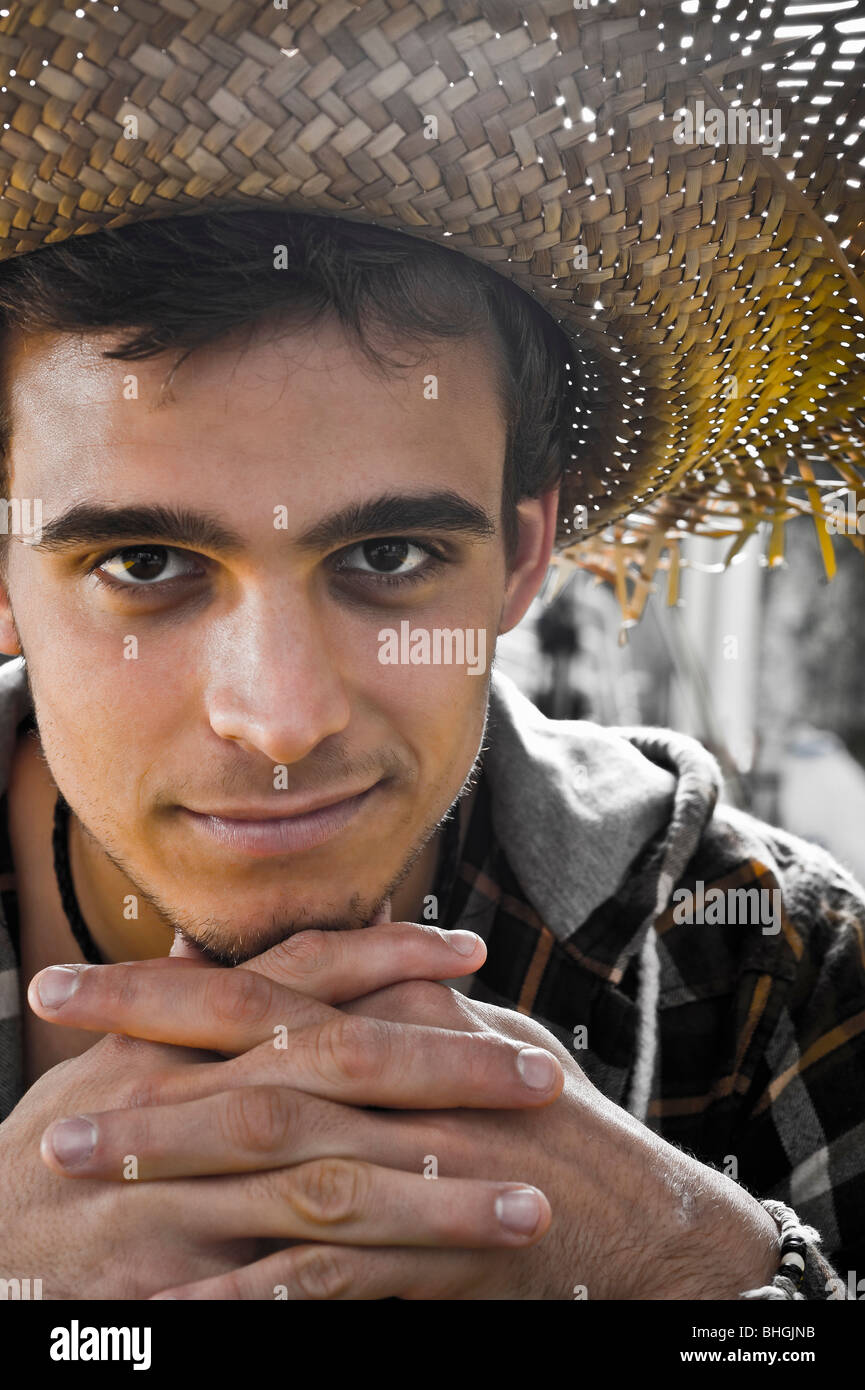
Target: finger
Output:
[(337, 967), (356, 1203), (358, 1061), (245, 1130), (428, 1002), (366, 1061), (189, 1004), (315, 1273)]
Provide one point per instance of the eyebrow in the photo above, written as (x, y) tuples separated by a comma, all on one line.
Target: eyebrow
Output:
[(90, 523), (392, 513)]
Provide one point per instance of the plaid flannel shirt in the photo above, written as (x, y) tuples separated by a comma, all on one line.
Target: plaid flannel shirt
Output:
[(761, 1057)]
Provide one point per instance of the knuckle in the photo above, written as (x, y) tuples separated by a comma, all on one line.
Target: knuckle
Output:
[(353, 1048), (306, 953), (238, 996), (321, 1272), (329, 1191), (483, 1053), (232, 1286), (142, 1091), (257, 1119), (122, 986), (121, 1049), (421, 996)]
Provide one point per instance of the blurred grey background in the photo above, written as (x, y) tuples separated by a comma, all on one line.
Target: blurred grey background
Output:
[(763, 666)]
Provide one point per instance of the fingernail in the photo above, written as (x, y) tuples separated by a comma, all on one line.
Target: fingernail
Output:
[(57, 984), (463, 941), (537, 1068), (519, 1211), (73, 1141)]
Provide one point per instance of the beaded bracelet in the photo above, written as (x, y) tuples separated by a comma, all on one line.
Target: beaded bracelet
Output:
[(795, 1238)]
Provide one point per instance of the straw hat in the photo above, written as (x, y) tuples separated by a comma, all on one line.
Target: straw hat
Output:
[(679, 185)]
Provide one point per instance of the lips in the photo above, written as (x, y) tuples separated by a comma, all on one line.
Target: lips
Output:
[(291, 832), (281, 810)]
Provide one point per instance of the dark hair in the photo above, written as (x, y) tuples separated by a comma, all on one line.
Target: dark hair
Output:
[(183, 281)]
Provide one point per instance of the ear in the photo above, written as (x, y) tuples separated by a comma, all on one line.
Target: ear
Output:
[(10, 644), (536, 535)]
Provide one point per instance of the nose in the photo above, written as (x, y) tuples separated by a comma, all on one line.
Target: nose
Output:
[(276, 688)]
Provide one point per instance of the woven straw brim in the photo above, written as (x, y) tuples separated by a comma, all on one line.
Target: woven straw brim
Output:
[(713, 291)]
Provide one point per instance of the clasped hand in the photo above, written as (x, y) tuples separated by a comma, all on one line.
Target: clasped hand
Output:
[(327, 1121)]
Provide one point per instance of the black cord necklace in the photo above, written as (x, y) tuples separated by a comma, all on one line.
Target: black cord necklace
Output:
[(63, 874)]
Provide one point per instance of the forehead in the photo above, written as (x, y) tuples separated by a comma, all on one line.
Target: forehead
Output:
[(268, 407)]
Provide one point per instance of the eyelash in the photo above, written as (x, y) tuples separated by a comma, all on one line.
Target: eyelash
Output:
[(437, 558)]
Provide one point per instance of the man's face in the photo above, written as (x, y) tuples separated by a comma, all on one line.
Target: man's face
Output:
[(202, 679)]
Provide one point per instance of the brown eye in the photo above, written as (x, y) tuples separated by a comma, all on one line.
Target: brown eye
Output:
[(385, 556), (391, 555), (142, 565)]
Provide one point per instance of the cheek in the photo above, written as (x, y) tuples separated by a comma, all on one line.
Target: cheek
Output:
[(104, 707), (117, 668), (438, 713)]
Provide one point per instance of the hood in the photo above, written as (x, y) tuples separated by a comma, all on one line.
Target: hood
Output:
[(573, 804)]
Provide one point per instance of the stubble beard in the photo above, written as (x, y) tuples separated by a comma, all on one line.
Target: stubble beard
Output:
[(223, 944), (213, 937)]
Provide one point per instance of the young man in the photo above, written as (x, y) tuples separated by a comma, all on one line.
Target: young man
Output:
[(202, 616), (303, 906)]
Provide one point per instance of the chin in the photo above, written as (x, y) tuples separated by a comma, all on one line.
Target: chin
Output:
[(232, 945)]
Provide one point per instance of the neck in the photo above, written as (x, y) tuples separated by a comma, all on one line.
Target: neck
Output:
[(122, 925)]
